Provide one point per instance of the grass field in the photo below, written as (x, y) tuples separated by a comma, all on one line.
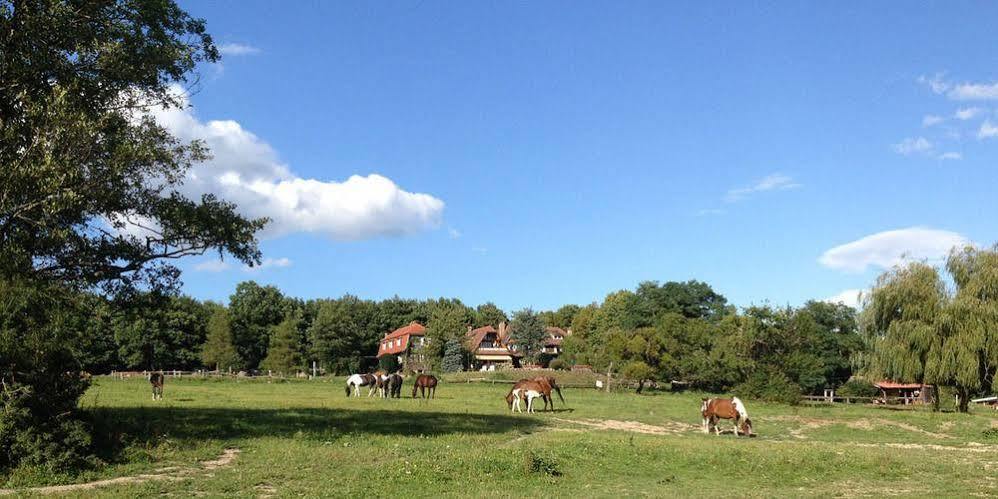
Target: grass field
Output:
[(305, 438)]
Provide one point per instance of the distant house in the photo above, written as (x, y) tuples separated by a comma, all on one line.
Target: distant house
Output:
[(552, 344), (407, 344), (491, 347), (906, 393)]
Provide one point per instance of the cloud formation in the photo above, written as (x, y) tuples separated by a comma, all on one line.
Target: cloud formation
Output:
[(967, 113), (772, 182), (236, 49), (849, 298), (931, 119), (911, 146), (246, 171), (268, 263), (987, 130), (960, 91), (951, 155), (889, 248)]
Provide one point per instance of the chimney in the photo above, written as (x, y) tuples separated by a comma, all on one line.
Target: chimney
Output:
[(502, 329)]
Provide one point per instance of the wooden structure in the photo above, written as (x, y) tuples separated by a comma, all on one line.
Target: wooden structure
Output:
[(407, 344), (905, 393), (491, 348), (555, 336)]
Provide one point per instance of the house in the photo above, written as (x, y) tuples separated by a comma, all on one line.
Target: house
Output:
[(552, 344), (406, 343), (491, 347), (906, 393)]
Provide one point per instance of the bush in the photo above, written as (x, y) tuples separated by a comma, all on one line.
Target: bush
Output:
[(389, 364), (40, 382), (559, 365), (534, 463), (453, 357), (857, 388), (771, 386)]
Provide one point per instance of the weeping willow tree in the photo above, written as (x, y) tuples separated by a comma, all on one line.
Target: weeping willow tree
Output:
[(917, 332), (966, 353)]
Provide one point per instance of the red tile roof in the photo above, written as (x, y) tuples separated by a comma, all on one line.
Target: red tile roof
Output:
[(890, 385), (398, 340), (414, 328)]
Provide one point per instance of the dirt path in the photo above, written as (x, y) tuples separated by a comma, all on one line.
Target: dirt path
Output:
[(671, 428), (170, 474)]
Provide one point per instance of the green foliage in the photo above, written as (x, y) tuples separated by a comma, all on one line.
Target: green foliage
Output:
[(770, 385), (488, 314), (282, 354), (389, 364), (219, 351), (449, 321), (857, 388), (160, 332), (336, 337), (254, 310), (559, 365), (528, 332), (454, 357)]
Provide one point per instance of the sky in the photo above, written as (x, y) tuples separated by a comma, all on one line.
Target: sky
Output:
[(545, 153)]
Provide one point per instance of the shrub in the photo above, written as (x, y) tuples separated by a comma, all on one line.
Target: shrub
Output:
[(453, 357), (771, 386), (389, 364), (534, 463), (559, 365), (857, 388)]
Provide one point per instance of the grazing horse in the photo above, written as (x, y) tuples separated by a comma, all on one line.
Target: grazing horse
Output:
[(394, 386), (552, 385), (381, 383), (539, 385), (156, 380), (356, 381), (713, 409), (424, 383)]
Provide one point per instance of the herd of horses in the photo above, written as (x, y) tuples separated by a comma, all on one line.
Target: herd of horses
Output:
[(526, 390)]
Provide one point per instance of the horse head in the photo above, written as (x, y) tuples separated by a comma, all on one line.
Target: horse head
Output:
[(747, 427)]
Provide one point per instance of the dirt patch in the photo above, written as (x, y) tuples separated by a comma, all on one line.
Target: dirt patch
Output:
[(858, 424), (169, 474), (671, 428)]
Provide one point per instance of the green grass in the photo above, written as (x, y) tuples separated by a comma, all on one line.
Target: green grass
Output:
[(305, 438)]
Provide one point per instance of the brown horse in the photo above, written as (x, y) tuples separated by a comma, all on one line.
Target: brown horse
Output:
[(425, 383), (554, 386), (713, 409), (541, 385), (156, 380), (394, 386)]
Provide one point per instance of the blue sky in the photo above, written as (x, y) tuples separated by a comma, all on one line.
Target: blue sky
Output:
[(548, 153)]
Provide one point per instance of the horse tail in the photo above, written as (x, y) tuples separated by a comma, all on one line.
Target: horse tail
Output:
[(740, 407)]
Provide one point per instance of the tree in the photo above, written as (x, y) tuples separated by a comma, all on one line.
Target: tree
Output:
[(254, 310), (448, 322), (161, 332), (899, 322), (282, 354), (488, 314), (219, 351), (965, 354), (336, 337), (528, 333), (454, 355), (90, 196)]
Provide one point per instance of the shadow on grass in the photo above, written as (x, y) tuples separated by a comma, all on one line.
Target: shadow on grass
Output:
[(123, 426)]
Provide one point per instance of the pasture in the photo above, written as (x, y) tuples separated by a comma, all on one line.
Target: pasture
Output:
[(251, 438)]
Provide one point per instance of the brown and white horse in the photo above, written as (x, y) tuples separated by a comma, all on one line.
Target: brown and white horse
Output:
[(425, 383), (713, 409), (355, 381), (156, 380), (528, 390)]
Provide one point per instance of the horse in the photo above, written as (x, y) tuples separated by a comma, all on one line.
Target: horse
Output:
[(358, 380), (713, 409), (394, 386), (540, 385), (552, 385), (156, 380), (381, 383), (527, 390), (425, 383)]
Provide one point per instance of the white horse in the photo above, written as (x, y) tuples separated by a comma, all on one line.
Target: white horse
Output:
[(525, 393), (355, 381)]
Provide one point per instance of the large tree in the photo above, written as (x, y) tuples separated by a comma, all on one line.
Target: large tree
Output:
[(254, 311), (527, 331), (89, 197), (283, 353), (219, 352)]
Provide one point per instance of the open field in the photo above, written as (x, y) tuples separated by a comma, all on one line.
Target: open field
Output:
[(259, 439)]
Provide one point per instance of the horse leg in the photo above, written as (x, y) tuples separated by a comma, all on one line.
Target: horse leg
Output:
[(736, 426)]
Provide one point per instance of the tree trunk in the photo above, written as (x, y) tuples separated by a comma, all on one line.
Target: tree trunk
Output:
[(641, 384), (964, 403)]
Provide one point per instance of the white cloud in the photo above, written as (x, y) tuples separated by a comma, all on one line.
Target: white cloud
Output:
[(772, 182), (481, 250), (246, 171), (911, 146), (967, 113), (268, 263), (950, 156), (454, 233), (709, 212), (212, 266), (974, 91), (236, 49), (987, 130), (935, 82), (931, 119), (849, 298), (892, 247)]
